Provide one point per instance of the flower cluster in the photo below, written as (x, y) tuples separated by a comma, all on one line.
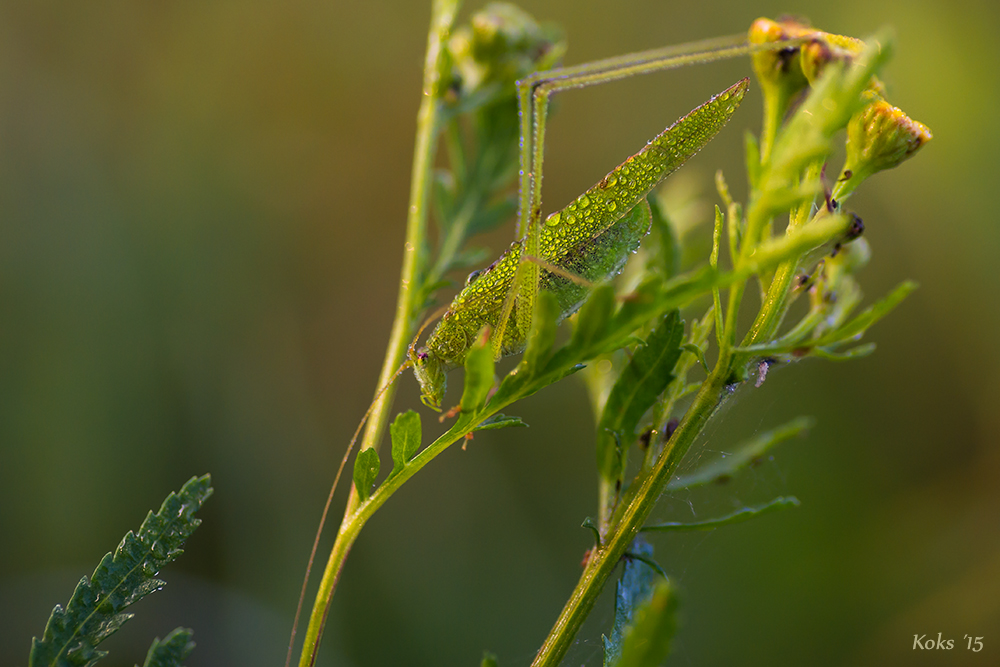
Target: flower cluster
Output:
[(879, 135)]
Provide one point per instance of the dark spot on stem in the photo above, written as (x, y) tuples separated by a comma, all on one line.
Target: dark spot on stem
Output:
[(671, 427), (645, 438), (856, 229)]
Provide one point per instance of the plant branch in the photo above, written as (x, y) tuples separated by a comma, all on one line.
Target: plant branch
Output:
[(408, 305)]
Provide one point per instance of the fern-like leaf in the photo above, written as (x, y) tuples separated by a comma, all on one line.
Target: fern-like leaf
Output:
[(171, 650), (96, 609)]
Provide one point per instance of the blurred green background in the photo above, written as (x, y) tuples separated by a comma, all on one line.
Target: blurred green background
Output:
[(201, 223)]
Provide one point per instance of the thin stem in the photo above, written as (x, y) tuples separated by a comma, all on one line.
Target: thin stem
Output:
[(605, 558), (407, 306), (775, 106), (776, 300)]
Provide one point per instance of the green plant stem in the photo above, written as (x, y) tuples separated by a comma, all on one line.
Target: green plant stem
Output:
[(604, 559), (775, 106), (408, 307), (775, 304), (351, 526)]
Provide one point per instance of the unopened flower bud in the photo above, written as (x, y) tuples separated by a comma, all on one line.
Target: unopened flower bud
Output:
[(778, 71), (502, 44), (880, 136)]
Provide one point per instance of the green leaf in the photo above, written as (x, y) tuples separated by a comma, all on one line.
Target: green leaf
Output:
[(668, 248), (489, 660), (647, 641), (366, 467), (405, 433), (96, 609), (589, 524), (171, 650), (860, 324), (795, 244), (499, 420), (593, 318), (478, 375), (632, 591), (698, 353), (746, 454), (858, 352), (641, 381), (542, 335), (739, 516)]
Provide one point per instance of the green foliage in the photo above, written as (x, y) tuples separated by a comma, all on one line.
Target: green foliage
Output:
[(171, 650), (648, 639), (405, 433), (785, 168), (665, 255), (594, 317), (478, 374), (366, 468), (96, 609), (744, 455), (644, 378), (499, 421), (631, 592), (860, 324), (500, 44), (739, 516), (489, 660)]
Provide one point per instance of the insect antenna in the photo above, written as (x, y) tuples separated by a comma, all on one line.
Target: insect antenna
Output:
[(329, 500), (336, 480), (433, 317)]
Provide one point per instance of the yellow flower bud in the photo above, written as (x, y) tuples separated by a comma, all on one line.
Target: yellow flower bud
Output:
[(880, 136), (778, 72)]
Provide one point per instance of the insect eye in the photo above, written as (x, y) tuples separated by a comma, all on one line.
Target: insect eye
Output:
[(423, 354)]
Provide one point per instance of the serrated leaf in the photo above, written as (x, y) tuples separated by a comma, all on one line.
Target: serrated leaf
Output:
[(499, 420), (405, 433), (739, 516), (171, 650), (366, 467), (746, 454), (647, 640), (631, 591), (96, 609), (478, 374), (641, 381)]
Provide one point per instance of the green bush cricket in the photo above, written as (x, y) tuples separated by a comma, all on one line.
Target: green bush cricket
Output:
[(548, 271), (589, 240)]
